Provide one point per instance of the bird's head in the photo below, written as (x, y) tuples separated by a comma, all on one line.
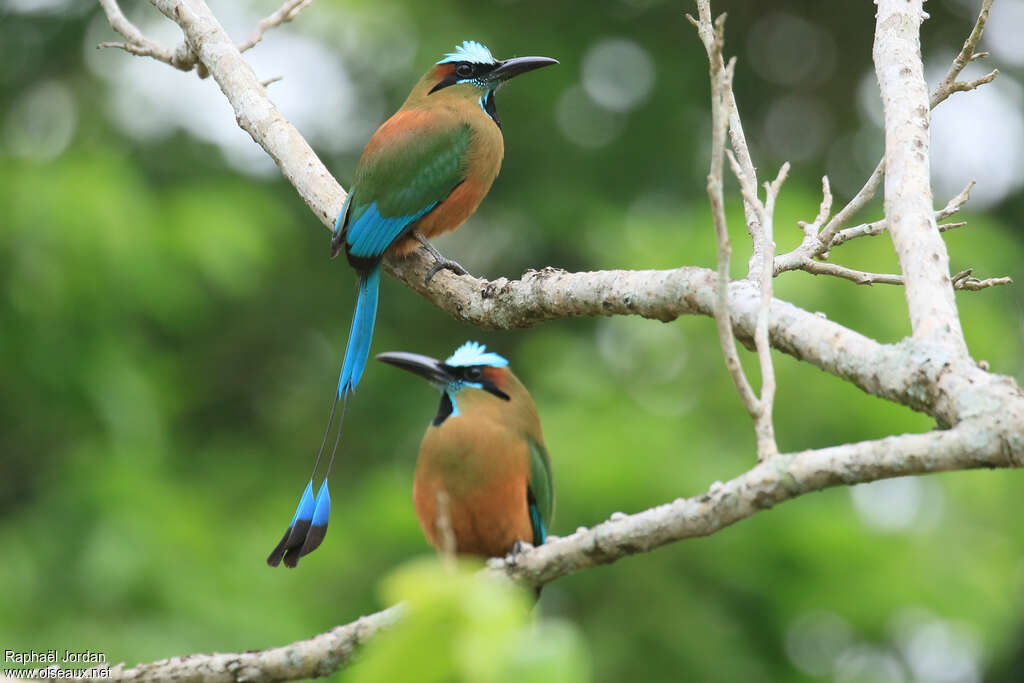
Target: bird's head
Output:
[(472, 368), (470, 71)]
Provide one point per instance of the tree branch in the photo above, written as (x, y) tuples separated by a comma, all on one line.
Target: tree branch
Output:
[(906, 373), (721, 79), (949, 84), (973, 444), (725, 116), (763, 253), (540, 296), (138, 44), (878, 227), (318, 656), (183, 57), (706, 31), (908, 193), (254, 111), (288, 11), (815, 245)]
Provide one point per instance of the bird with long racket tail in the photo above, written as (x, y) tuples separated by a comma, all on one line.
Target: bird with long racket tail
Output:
[(482, 457), (422, 174)]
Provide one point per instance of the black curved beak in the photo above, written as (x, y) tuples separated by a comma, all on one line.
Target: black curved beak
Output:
[(511, 68), (430, 369)]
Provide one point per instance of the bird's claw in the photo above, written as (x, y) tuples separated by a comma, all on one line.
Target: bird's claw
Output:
[(440, 262), (518, 548), (444, 264)]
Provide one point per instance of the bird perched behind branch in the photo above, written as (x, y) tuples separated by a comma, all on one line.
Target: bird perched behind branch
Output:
[(422, 174), (483, 454)]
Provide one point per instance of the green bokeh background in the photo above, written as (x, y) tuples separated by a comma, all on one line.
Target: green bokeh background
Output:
[(171, 329)]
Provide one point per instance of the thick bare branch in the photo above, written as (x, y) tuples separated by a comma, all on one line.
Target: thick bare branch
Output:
[(319, 656), (908, 195), (254, 111), (550, 294), (783, 478)]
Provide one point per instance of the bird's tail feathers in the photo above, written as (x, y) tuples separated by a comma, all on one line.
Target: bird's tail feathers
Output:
[(307, 530), (361, 333), (295, 534), (309, 525)]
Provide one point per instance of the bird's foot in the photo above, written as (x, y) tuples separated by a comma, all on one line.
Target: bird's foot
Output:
[(518, 548), (440, 261), (444, 264)]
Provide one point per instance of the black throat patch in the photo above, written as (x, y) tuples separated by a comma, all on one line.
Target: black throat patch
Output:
[(490, 108), (444, 410)]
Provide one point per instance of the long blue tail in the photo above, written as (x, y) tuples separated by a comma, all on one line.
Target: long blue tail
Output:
[(309, 524), (361, 334)]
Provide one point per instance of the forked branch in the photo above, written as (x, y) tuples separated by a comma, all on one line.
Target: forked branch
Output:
[(818, 244), (724, 117)]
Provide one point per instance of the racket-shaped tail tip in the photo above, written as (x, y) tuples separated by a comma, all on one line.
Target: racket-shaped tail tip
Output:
[(297, 531), (318, 525)]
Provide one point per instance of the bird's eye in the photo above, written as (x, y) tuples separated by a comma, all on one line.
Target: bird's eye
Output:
[(474, 374), (464, 71)]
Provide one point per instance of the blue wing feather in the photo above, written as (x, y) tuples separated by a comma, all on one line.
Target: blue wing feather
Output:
[(370, 234)]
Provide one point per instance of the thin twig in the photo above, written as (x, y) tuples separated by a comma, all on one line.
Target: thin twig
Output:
[(706, 32), (721, 79), (879, 226), (759, 225), (858, 276), (288, 11), (764, 245), (138, 44), (949, 84), (966, 281), (859, 201), (818, 246), (182, 57), (825, 208)]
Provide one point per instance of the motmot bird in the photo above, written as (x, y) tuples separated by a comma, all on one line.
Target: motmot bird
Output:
[(483, 455), (422, 174)]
